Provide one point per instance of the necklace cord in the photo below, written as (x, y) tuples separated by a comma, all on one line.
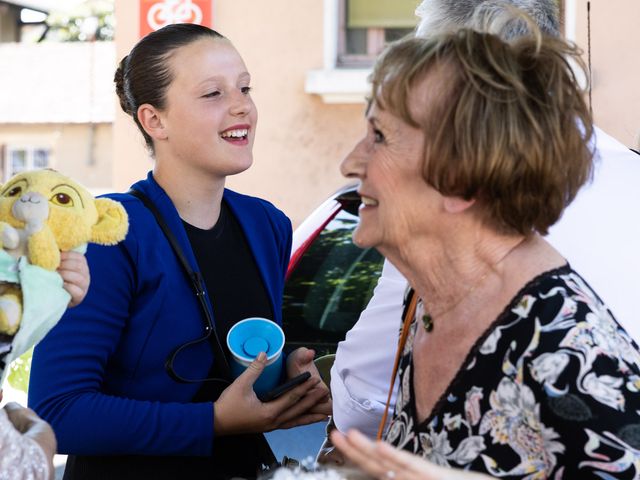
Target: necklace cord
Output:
[(427, 317), (406, 323), (407, 320)]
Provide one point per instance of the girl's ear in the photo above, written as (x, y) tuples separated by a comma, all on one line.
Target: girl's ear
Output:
[(150, 119)]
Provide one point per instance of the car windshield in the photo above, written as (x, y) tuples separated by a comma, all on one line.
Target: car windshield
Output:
[(330, 286)]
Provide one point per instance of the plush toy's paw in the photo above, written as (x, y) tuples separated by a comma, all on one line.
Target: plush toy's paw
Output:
[(10, 314), (10, 237), (43, 250)]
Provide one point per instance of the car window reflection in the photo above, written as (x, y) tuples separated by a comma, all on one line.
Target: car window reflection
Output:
[(329, 287)]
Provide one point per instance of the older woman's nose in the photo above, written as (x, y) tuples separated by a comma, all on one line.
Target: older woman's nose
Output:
[(353, 165)]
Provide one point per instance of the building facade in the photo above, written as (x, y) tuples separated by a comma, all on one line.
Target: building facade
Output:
[(57, 109), (309, 84)]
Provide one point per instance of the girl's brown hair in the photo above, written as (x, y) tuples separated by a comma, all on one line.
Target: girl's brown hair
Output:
[(144, 75)]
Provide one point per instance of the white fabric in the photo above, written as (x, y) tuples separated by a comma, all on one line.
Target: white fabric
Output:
[(21, 458), (361, 372), (598, 234)]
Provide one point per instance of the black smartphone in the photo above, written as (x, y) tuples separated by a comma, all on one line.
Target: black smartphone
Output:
[(284, 387)]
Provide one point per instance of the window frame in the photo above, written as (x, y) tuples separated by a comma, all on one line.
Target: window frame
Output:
[(340, 84), (375, 43), (30, 151)]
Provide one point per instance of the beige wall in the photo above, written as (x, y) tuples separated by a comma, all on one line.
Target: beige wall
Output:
[(70, 149), (300, 140), (615, 59)]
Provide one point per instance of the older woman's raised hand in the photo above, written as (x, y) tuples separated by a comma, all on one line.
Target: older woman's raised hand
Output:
[(385, 462), (74, 271), (238, 410)]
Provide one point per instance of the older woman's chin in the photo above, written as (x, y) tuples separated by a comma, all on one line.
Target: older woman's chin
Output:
[(364, 239)]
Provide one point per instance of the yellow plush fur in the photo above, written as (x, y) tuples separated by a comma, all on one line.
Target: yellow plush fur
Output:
[(42, 213)]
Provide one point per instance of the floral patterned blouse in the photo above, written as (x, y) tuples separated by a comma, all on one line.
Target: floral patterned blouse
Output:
[(549, 391)]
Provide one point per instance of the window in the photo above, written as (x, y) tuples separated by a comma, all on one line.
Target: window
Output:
[(19, 159), (366, 26), (330, 286)]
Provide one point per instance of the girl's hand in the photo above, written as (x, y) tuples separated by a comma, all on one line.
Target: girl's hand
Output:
[(238, 410), (301, 360), (74, 271)]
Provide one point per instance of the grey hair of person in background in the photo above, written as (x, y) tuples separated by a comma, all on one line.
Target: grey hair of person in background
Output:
[(439, 16)]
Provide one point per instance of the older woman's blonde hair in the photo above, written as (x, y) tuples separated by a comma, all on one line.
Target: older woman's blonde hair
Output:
[(508, 124)]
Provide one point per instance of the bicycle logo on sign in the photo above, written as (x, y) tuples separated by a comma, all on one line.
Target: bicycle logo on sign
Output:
[(173, 11)]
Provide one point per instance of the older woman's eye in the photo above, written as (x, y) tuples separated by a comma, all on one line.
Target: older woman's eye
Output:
[(378, 137), (246, 90), (211, 94)]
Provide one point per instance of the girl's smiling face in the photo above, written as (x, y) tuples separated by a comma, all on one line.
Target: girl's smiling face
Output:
[(209, 118)]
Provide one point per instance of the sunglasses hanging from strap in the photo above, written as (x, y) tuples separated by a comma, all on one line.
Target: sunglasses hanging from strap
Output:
[(198, 288)]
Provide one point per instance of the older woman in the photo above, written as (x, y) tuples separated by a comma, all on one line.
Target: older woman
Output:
[(513, 366)]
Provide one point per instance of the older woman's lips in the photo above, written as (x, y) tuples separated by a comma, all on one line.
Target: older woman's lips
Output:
[(369, 202)]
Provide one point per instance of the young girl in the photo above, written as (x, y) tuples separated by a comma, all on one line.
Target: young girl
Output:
[(122, 377)]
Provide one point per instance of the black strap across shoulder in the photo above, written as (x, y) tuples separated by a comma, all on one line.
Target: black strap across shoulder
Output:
[(198, 288)]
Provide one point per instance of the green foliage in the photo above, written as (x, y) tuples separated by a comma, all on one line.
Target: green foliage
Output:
[(19, 371), (91, 20)]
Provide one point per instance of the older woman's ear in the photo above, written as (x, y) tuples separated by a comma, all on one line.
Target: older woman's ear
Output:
[(457, 204)]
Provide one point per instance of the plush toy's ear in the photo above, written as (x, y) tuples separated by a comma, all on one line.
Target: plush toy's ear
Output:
[(113, 222)]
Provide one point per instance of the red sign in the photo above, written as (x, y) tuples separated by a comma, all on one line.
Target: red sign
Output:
[(155, 14)]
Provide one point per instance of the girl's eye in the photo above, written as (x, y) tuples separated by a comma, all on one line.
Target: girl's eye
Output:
[(212, 94), (14, 191), (378, 137), (246, 90)]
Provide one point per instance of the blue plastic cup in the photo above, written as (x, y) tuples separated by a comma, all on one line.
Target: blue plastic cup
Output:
[(247, 339)]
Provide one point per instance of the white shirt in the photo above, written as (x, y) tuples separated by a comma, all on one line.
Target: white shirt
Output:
[(598, 234)]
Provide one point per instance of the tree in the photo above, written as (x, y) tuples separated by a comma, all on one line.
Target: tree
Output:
[(90, 20)]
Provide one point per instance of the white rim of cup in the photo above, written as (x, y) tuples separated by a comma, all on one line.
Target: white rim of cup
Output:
[(270, 358)]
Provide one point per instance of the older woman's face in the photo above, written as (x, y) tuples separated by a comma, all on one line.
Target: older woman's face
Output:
[(396, 201)]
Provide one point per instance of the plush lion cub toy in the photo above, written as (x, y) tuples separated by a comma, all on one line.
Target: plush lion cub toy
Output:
[(43, 212)]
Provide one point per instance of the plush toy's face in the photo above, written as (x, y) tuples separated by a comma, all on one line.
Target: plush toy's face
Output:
[(72, 210)]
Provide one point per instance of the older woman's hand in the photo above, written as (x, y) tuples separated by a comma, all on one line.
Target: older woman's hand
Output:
[(74, 271), (238, 410), (301, 360), (385, 462)]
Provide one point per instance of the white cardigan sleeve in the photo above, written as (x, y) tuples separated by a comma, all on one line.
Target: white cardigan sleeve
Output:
[(362, 369)]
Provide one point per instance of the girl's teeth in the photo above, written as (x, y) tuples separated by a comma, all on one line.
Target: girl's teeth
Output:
[(235, 133)]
